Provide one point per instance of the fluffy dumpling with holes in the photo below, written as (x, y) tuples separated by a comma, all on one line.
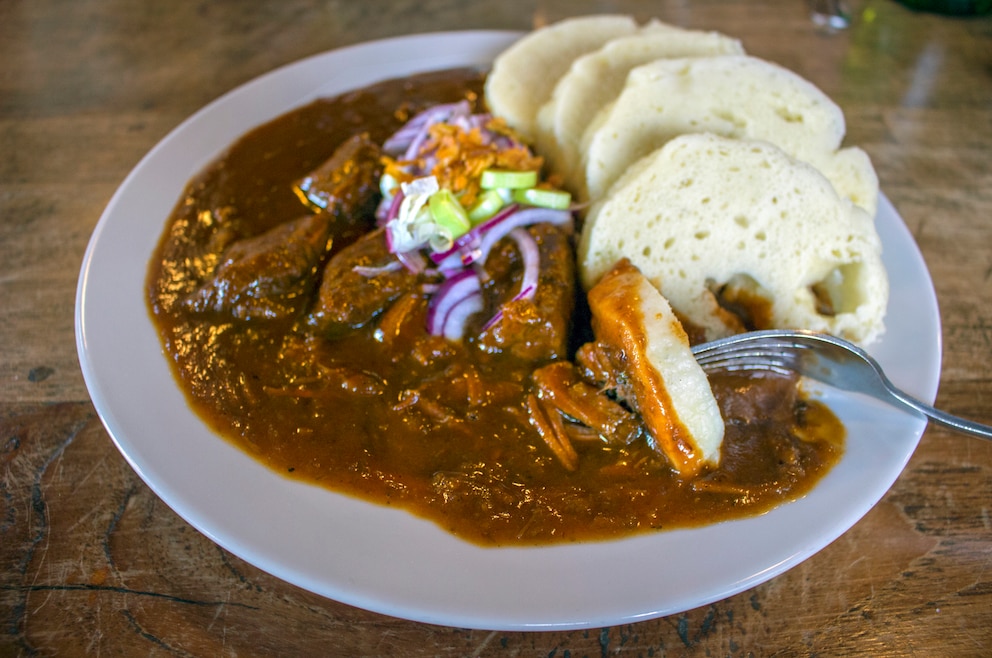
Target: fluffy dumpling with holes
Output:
[(595, 79), (523, 76), (738, 235), (731, 95)]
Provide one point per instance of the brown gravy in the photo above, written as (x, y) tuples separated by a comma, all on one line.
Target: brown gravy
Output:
[(341, 413)]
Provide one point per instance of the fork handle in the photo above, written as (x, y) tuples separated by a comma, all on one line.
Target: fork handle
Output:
[(945, 419)]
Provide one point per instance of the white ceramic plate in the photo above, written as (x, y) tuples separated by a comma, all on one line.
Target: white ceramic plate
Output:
[(389, 561)]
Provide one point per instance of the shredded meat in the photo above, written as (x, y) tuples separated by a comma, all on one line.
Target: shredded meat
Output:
[(581, 401)]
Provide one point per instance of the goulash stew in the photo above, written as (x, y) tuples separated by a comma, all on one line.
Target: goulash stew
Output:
[(299, 335)]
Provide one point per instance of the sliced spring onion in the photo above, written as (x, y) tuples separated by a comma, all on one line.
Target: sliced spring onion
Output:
[(448, 213), (471, 240), (534, 196), (487, 205), (493, 179)]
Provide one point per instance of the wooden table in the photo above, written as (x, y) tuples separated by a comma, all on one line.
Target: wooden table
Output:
[(93, 563)]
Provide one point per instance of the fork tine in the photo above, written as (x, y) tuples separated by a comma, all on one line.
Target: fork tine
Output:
[(744, 349), (747, 360), (755, 365), (771, 353), (752, 340)]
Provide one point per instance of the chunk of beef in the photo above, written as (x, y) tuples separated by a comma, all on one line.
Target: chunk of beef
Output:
[(267, 276), (534, 329), (272, 275), (347, 184), (359, 282)]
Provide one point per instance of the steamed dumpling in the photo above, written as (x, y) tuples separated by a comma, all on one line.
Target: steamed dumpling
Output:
[(524, 75), (597, 78), (734, 96), (706, 215)]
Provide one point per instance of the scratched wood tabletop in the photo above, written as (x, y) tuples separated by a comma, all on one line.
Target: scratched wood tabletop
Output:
[(93, 563)]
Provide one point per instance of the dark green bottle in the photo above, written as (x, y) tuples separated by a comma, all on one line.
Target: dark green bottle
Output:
[(951, 7)]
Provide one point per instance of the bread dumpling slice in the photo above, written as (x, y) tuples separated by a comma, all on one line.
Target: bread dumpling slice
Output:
[(710, 220), (734, 96), (645, 344), (524, 74), (597, 78)]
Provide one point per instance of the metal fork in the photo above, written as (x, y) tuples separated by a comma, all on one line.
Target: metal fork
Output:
[(822, 357)]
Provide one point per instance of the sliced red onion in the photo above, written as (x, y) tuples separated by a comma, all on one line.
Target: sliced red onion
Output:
[(411, 260), (461, 122), (437, 114), (525, 217), (401, 139), (390, 242), (413, 149), (493, 320), (505, 143), (381, 210), (473, 239), (388, 210), (450, 272), (531, 257), (469, 122), (452, 292), (417, 126), (458, 317), (530, 254), (484, 236), (368, 271)]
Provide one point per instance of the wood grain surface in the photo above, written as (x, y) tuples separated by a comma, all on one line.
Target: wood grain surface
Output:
[(93, 563)]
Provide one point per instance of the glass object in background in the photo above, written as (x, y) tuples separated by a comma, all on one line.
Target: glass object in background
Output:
[(830, 15)]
